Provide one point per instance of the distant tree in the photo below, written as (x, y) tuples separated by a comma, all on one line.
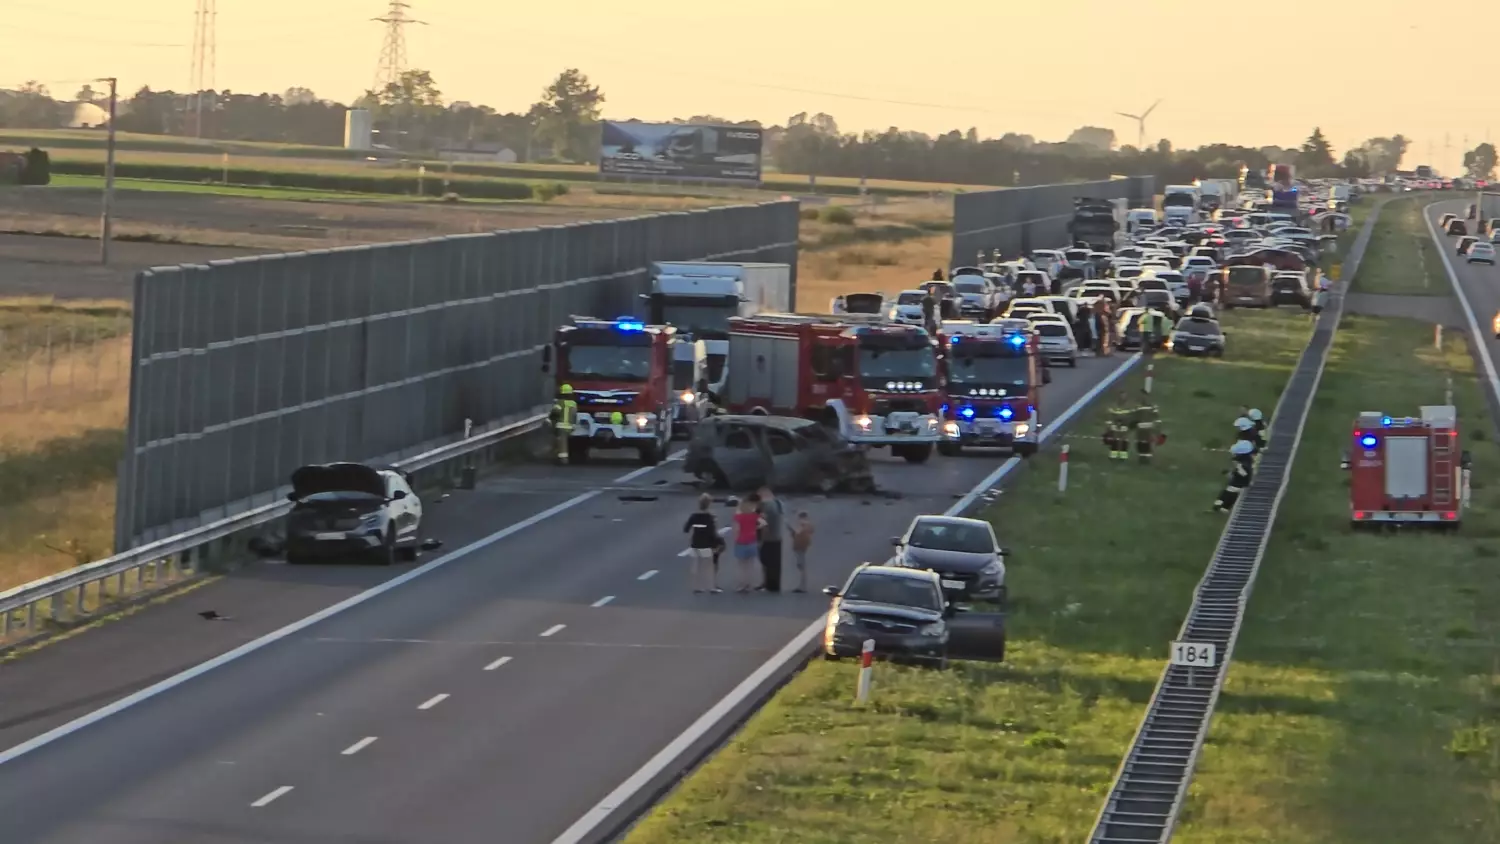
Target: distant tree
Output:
[(30, 107), (1093, 136), (1479, 162), (298, 97), (1355, 165), (1163, 147), (87, 94), (1316, 154), (568, 116)]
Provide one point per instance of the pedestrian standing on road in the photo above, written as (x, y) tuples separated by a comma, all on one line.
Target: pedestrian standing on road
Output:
[(929, 312), (772, 532), (747, 524), (703, 532), (1083, 328), (802, 535)]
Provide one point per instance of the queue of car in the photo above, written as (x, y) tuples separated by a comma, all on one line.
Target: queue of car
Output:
[(1476, 248)]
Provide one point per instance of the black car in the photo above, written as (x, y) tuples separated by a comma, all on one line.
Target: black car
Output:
[(350, 509), (1457, 228), (1290, 289), (1196, 335), (963, 552), (901, 609)]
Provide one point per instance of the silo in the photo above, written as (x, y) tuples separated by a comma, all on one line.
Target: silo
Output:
[(357, 129)]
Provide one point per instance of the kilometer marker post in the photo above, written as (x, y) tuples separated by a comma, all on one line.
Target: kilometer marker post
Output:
[(866, 666), (1062, 470)]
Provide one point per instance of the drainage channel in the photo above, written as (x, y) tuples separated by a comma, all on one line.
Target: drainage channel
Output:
[(1152, 781)]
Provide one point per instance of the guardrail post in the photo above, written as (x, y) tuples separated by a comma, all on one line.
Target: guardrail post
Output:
[(81, 602)]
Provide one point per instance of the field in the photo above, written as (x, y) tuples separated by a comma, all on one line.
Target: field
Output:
[(1402, 259), (1023, 751)]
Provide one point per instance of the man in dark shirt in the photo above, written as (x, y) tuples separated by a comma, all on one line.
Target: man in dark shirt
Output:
[(770, 540), (703, 535)]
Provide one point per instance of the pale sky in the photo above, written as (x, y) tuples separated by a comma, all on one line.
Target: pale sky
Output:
[(1253, 73)]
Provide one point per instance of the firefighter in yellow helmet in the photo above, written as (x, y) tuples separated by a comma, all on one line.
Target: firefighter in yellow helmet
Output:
[(564, 416)]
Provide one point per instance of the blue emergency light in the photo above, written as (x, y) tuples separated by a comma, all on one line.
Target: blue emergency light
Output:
[(966, 412), (1018, 340), (1385, 421), (1367, 441), (953, 340), (1005, 412), (629, 324)]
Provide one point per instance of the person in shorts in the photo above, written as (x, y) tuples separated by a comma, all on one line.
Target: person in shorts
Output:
[(802, 534), (747, 525), (703, 534)]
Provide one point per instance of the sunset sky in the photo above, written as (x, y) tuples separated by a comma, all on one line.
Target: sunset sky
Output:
[(1254, 74)]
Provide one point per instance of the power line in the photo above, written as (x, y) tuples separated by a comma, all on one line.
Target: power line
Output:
[(205, 58), (70, 38), (393, 50)]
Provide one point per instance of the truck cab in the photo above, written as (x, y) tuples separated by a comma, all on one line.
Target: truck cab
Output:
[(874, 380), (621, 374), (993, 379)]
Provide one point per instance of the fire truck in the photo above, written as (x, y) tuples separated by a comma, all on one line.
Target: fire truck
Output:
[(1408, 470), (993, 376), (876, 381), (620, 371)]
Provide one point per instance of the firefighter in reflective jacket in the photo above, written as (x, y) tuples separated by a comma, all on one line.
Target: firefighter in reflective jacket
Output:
[(1239, 475), (1146, 418), (1117, 430), (1259, 420), (1153, 325), (564, 416)]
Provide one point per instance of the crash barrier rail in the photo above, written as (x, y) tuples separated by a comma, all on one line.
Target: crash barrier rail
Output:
[(1151, 784), (243, 370), (1017, 220), (157, 563)]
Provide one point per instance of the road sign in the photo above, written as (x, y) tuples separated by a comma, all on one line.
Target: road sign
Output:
[(1336, 271), (1194, 654)]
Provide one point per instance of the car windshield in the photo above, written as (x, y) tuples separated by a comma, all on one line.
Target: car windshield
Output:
[(912, 298), (616, 363), (697, 317), (1050, 328), (1246, 275), (968, 284), (863, 303), (968, 368), (1193, 325), (897, 363), (892, 589), (682, 374), (951, 536)]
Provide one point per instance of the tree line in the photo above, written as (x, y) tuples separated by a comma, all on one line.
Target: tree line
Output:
[(412, 115)]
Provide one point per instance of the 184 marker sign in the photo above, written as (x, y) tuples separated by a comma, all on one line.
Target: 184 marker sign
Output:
[(1194, 654)]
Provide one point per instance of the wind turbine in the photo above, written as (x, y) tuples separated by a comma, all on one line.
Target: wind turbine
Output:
[(1140, 121)]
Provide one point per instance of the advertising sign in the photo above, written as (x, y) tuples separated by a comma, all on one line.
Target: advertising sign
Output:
[(680, 151)]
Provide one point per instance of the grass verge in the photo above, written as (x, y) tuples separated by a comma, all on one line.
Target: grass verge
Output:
[(64, 388), (1024, 751), (1402, 259)]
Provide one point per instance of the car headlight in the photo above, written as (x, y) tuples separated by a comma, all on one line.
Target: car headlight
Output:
[(844, 618), (1022, 429), (932, 424), (370, 519), (687, 397), (995, 567), (863, 423), (641, 420), (936, 628), (951, 428)]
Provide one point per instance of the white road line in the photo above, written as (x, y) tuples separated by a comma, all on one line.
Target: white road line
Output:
[(25, 747), (359, 745), (602, 601), (266, 801), (433, 701), (648, 575), (798, 648), (497, 663), (550, 631)]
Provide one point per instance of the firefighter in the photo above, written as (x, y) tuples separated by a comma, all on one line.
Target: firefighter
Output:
[(1240, 474), (1153, 325), (1146, 417), (1117, 432), (929, 311), (1258, 419), (564, 416)]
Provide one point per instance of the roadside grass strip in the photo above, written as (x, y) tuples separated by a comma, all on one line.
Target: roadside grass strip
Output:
[(1363, 704), (1023, 751), (1401, 259)]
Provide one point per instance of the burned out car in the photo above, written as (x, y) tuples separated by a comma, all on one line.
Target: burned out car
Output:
[(782, 452), (352, 510)]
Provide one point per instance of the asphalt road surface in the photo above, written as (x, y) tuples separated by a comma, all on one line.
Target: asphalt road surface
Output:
[(496, 694)]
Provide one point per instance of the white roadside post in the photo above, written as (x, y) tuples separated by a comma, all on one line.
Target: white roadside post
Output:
[(1150, 375), (866, 665), (1062, 470), (1194, 655), (1437, 337)]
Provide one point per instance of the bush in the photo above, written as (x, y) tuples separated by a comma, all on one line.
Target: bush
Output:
[(348, 182), (837, 215), (38, 170), (548, 191)]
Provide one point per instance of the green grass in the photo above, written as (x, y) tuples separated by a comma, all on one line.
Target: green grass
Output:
[(1402, 259), (1024, 751), (285, 194)]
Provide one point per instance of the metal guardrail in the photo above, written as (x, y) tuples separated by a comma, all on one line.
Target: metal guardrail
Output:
[(1150, 786), (155, 561)]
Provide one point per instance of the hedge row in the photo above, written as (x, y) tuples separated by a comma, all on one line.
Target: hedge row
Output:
[(345, 182)]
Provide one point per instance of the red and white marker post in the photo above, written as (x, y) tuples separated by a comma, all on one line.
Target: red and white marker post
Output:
[(1062, 470), (1150, 375), (866, 666)]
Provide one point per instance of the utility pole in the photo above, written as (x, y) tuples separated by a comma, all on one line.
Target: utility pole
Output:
[(393, 50), (205, 23), (105, 220)]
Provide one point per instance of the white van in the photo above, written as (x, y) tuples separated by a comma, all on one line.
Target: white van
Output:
[(1140, 219)]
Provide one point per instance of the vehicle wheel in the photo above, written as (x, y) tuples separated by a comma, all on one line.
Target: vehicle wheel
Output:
[(759, 411), (651, 453), (917, 453), (410, 552), (295, 559), (942, 662), (1047, 375), (578, 451), (950, 449), (385, 555), (1024, 449), (828, 657), (1073, 363)]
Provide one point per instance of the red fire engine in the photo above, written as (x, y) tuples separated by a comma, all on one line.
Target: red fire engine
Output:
[(620, 372), (993, 375), (1408, 471), (875, 380)]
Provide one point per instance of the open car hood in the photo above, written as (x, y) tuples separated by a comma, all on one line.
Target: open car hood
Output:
[(337, 477)]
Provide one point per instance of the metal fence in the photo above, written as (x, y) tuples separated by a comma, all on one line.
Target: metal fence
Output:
[(243, 370), (1017, 220), (63, 358)]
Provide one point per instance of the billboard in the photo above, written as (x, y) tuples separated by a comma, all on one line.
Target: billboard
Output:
[(679, 151)]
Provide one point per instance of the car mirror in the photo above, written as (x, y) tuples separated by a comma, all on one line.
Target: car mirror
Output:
[(1003, 551), (949, 611), (398, 495), (831, 591)]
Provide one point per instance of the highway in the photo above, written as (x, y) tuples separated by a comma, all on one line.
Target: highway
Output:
[(495, 693), (1480, 284)]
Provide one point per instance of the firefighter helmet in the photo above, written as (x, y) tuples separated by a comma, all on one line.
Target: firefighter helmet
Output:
[(1243, 423), (1241, 448), (566, 389), (1255, 415)]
